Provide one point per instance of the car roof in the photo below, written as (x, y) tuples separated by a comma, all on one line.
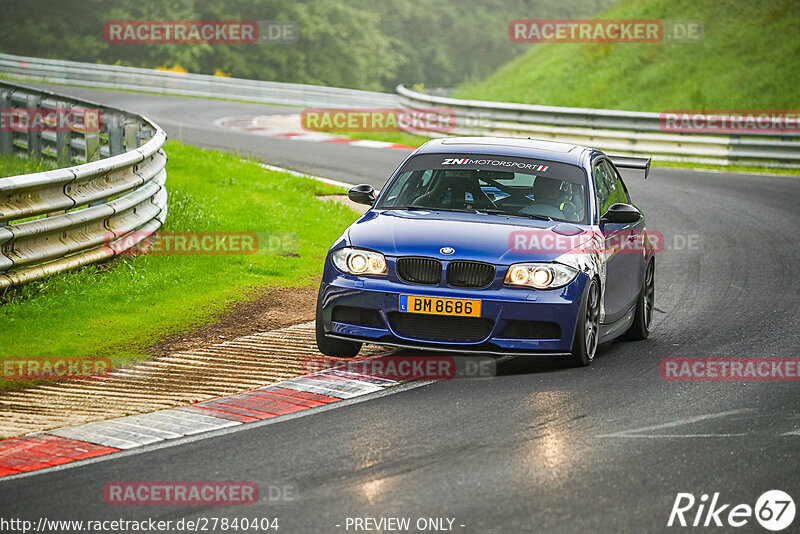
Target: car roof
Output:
[(507, 146)]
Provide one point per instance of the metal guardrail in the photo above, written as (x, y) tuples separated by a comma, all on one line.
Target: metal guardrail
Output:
[(620, 132), (171, 83), (69, 217)]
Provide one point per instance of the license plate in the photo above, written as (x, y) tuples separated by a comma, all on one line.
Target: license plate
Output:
[(439, 306)]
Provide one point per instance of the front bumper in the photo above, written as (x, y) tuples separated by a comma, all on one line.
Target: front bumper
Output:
[(513, 321)]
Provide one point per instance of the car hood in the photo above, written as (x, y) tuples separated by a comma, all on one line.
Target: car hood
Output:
[(480, 237)]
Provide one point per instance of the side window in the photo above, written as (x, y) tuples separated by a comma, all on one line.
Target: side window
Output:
[(608, 185), (622, 192), (611, 183), (601, 187)]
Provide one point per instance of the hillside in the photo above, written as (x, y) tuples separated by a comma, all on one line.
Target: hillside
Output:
[(749, 58)]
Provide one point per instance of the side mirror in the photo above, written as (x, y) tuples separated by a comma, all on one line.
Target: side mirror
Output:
[(621, 214), (363, 194)]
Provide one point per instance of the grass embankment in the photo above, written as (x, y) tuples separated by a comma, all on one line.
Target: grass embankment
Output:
[(748, 59), (119, 308), (12, 165)]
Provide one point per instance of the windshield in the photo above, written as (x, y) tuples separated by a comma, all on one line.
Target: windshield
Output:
[(516, 187)]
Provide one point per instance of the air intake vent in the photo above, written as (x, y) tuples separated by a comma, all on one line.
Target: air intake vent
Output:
[(531, 330), (470, 274), (419, 270), (357, 316), (424, 327)]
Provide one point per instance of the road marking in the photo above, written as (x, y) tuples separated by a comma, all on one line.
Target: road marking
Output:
[(31, 453), (310, 392), (235, 427), (637, 432), (289, 126)]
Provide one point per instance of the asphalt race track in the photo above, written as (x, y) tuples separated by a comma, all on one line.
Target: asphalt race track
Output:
[(541, 447), (190, 120)]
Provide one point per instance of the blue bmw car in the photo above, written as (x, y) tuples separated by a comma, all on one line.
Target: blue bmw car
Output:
[(492, 245)]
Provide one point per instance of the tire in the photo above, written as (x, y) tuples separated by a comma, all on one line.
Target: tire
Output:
[(643, 318), (587, 331), (328, 346)]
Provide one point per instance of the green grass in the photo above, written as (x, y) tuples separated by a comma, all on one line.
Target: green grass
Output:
[(749, 59), (12, 165), (118, 308)]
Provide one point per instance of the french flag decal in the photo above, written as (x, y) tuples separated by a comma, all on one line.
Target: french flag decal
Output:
[(541, 168)]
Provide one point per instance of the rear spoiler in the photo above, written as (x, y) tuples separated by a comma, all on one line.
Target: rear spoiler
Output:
[(629, 162)]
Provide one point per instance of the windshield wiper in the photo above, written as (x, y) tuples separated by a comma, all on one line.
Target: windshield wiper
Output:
[(487, 211), (425, 208), (509, 214), (533, 216)]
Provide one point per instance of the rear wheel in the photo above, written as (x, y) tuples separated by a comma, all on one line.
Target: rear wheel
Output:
[(339, 348), (587, 330), (643, 317)]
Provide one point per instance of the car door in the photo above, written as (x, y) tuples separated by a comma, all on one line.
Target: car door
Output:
[(617, 270), (632, 239)]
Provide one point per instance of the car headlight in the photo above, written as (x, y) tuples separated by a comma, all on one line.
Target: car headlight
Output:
[(540, 275), (359, 261)]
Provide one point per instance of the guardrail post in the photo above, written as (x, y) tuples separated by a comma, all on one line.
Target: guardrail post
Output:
[(116, 136), (35, 126), (63, 136), (131, 129), (91, 134), (6, 134), (113, 127), (143, 136)]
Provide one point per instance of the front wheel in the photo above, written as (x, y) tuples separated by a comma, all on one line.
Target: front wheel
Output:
[(643, 317), (339, 348), (587, 330)]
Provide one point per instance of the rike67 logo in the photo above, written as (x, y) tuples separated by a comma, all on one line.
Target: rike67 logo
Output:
[(774, 510)]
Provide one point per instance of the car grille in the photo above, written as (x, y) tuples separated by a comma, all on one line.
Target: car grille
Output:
[(419, 270), (427, 327), (470, 274)]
